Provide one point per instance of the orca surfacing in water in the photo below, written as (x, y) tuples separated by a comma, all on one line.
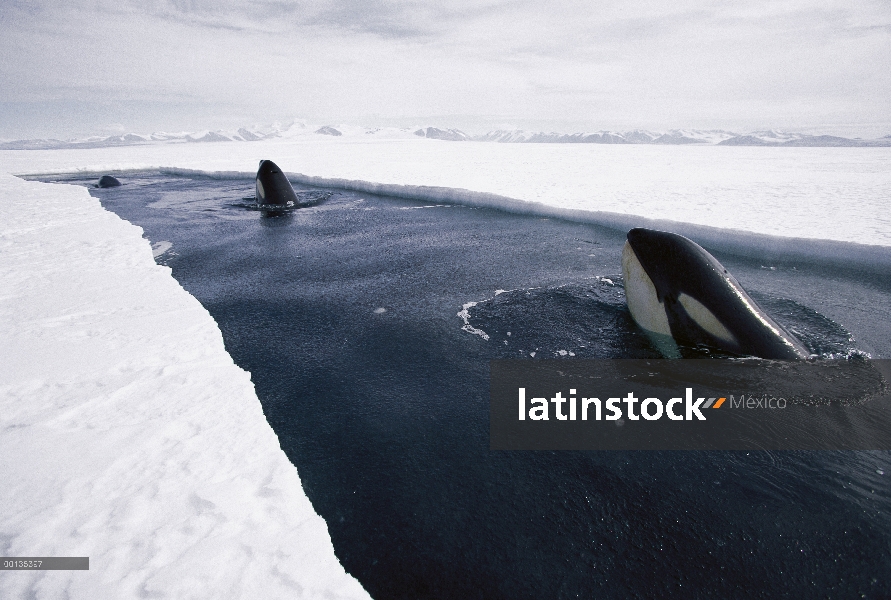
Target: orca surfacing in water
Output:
[(107, 181), (677, 291), (273, 187)]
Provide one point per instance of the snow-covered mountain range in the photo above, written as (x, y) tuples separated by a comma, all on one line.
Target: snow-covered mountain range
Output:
[(302, 129)]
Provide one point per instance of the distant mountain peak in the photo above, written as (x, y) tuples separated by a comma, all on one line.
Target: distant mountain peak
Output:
[(452, 135), (328, 130), (299, 128)]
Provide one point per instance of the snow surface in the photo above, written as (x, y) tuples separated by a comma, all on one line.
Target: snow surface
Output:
[(818, 193), (128, 434)]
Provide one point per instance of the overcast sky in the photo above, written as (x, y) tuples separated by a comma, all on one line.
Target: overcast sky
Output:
[(106, 66)]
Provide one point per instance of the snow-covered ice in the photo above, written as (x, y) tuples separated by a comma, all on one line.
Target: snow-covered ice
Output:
[(127, 433), (820, 193)]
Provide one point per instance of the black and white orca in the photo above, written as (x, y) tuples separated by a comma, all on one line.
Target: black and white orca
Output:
[(273, 188), (107, 181), (676, 291)]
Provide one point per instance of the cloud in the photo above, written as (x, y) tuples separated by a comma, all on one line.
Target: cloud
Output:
[(606, 64)]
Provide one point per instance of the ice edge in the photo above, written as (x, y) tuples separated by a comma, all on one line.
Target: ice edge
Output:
[(129, 435), (747, 244)]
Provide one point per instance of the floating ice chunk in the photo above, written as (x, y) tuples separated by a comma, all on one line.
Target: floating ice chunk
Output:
[(159, 248), (380, 311), (471, 329)]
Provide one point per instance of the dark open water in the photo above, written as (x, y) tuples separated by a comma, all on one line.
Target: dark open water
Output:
[(385, 412)]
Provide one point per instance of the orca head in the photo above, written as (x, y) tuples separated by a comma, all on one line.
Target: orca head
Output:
[(273, 188), (675, 289), (107, 181)]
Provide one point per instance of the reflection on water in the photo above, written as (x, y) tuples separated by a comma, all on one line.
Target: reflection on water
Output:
[(275, 218)]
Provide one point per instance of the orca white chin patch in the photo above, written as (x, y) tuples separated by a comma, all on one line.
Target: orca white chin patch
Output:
[(640, 294), (261, 193), (705, 318)]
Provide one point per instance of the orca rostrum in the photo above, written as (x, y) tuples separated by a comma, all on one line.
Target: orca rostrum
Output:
[(273, 188), (678, 292)]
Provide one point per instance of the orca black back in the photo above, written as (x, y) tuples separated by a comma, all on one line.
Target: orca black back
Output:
[(107, 181)]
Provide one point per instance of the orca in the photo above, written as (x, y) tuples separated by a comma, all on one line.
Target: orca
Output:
[(273, 188), (107, 181), (678, 292)]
